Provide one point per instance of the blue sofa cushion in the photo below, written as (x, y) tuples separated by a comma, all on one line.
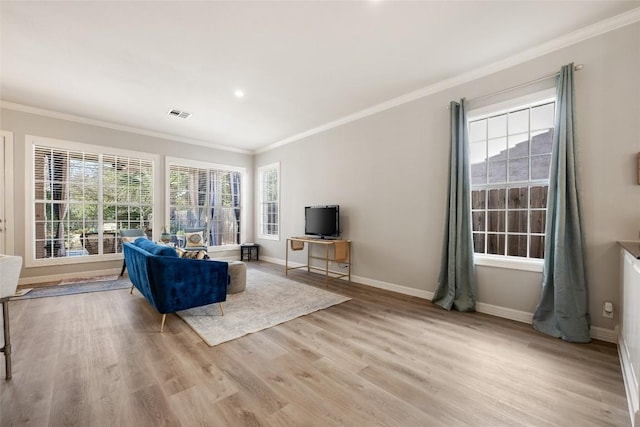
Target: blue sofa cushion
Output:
[(154, 248)]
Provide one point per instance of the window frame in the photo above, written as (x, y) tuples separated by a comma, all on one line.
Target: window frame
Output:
[(261, 201), (178, 161), (495, 109), (30, 240)]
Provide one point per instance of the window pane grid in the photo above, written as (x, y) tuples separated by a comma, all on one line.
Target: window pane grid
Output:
[(70, 188), (269, 203), (510, 160)]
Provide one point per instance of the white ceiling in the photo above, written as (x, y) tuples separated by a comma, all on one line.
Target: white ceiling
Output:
[(301, 64)]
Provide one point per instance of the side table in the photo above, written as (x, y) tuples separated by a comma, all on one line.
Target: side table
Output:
[(247, 249)]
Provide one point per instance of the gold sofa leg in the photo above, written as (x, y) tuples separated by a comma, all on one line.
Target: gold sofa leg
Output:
[(221, 309), (164, 317)]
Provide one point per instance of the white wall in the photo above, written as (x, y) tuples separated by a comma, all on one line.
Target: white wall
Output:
[(388, 173), (21, 124)]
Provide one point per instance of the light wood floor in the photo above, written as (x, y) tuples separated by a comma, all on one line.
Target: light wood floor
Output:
[(380, 359)]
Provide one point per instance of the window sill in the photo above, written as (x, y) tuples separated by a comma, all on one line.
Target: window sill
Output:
[(268, 237), (512, 263), (46, 262), (223, 248)]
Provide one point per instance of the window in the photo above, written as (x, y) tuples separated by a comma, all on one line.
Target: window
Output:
[(510, 156), (82, 197), (269, 206), (205, 197)]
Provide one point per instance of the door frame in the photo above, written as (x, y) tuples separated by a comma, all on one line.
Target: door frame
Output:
[(8, 224)]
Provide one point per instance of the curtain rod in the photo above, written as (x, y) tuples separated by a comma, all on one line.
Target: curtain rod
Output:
[(576, 67)]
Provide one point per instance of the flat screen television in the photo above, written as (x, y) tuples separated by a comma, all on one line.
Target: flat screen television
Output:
[(322, 221)]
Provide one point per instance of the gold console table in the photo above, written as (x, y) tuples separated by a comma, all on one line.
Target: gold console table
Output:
[(297, 243)]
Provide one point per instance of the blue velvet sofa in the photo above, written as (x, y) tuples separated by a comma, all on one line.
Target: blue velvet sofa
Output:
[(171, 283)]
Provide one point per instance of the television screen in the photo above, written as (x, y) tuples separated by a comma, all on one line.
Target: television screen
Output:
[(323, 221)]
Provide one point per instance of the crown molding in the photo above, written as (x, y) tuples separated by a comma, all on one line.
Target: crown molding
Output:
[(109, 125), (630, 17)]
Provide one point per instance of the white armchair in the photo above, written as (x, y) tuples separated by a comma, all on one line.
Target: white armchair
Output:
[(9, 273)]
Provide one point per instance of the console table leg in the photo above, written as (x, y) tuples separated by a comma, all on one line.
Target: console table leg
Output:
[(326, 266), (286, 259), (349, 248)]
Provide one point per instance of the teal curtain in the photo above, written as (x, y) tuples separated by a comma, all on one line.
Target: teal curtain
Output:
[(563, 310), (456, 282)]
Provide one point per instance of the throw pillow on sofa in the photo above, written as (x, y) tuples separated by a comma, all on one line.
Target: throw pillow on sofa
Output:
[(194, 240), (192, 254)]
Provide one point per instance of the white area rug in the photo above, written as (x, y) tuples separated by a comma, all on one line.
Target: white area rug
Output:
[(267, 301)]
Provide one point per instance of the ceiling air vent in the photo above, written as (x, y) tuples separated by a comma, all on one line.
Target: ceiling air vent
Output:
[(180, 114)]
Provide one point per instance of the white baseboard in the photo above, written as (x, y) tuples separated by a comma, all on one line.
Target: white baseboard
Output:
[(279, 261), (54, 277), (602, 334), (224, 258), (608, 335), (405, 290), (369, 282), (504, 312)]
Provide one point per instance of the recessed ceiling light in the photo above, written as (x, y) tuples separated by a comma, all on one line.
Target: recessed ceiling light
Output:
[(239, 94)]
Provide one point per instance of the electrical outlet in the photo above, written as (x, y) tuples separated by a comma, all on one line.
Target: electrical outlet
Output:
[(607, 310)]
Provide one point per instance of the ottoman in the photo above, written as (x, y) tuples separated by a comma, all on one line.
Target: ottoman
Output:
[(238, 275)]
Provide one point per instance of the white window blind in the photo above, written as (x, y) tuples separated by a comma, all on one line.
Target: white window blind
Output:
[(269, 200), (206, 199), (82, 198)]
